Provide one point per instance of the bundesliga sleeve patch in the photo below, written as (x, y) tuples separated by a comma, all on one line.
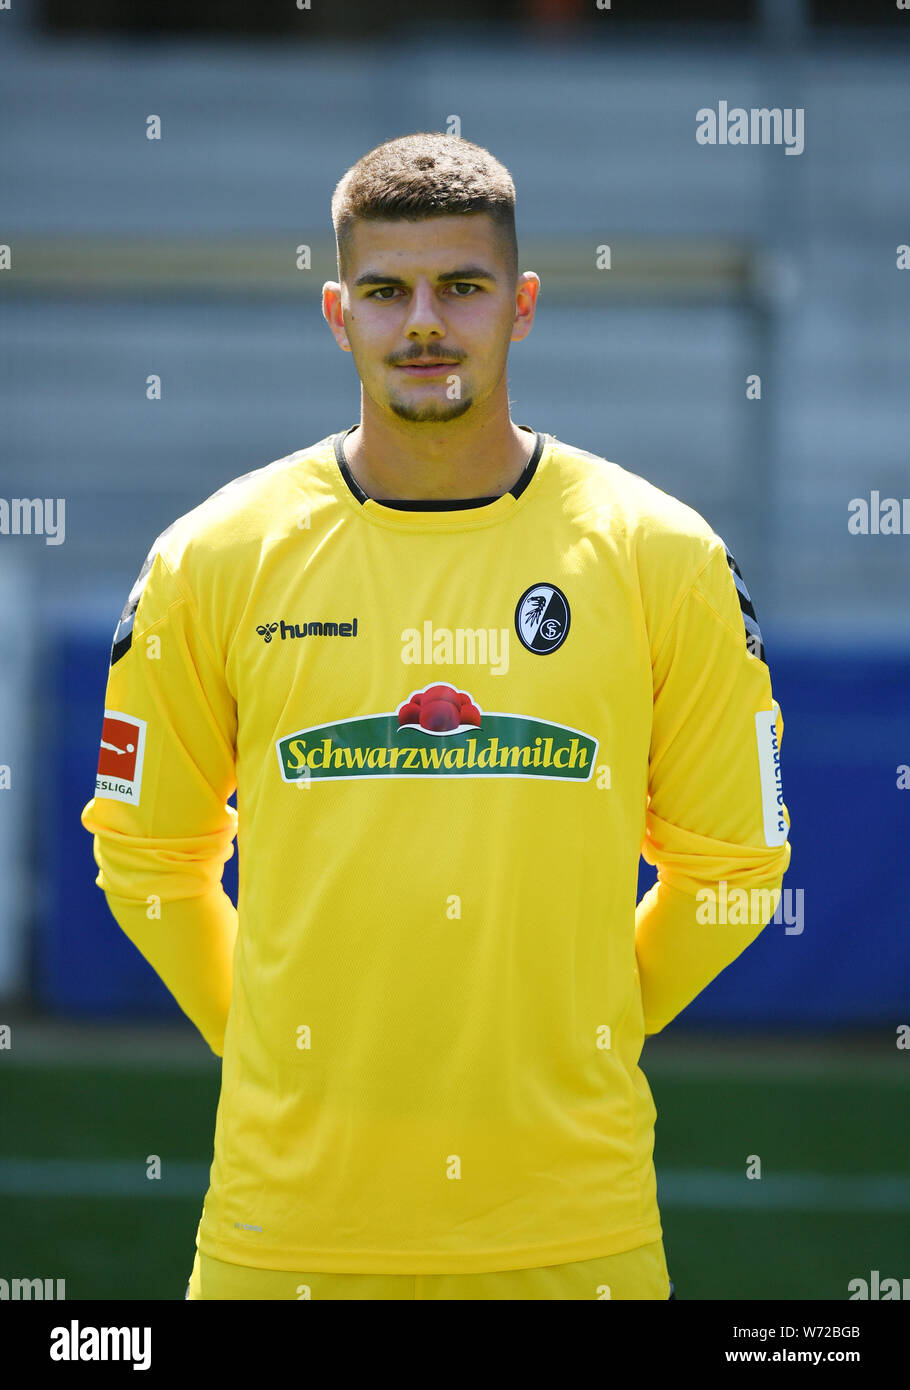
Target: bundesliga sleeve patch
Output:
[(120, 759), (772, 794), (754, 642)]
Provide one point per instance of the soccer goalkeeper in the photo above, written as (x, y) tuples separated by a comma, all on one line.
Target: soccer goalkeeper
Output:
[(461, 675)]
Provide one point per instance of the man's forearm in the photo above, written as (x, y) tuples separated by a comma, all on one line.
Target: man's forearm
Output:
[(191, 946), (679, 955)]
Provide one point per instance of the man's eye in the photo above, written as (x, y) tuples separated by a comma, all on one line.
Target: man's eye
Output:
[(464, 289)]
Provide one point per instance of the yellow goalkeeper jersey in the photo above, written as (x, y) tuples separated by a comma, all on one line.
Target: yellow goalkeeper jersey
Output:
[(452, 729)]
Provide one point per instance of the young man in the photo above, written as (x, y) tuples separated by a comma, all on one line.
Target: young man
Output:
[(461, 674)]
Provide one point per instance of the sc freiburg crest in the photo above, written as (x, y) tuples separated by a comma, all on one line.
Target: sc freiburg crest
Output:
[(542, 618)]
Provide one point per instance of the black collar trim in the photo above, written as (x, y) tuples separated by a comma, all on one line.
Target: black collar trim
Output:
[(447, 504)]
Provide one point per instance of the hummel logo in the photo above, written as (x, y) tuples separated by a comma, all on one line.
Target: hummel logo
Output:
[(267, 630)]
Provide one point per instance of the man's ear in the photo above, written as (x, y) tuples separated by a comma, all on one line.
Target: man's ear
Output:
[(526, 292), (332, 313)]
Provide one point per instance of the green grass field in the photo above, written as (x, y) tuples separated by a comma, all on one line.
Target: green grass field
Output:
[(83, 1107)]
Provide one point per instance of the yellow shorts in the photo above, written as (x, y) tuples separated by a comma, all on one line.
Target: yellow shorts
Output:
[(634, 1274)]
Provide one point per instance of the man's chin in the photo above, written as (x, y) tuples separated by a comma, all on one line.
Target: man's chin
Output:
[(429, 412)]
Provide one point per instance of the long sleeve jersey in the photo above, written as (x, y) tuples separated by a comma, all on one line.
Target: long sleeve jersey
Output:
[(452, 729)]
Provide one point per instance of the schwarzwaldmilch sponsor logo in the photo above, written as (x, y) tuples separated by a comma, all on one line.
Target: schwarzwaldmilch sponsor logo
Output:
[(542, 618), (437, 732), (267, 630)]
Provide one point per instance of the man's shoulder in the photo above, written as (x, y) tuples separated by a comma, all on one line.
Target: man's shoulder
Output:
[(627, 505), (242, 513)]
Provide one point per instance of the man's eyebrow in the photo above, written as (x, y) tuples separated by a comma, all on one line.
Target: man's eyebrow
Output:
[(471, 272)]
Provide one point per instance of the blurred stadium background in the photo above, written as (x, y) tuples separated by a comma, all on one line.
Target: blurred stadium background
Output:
[(176, 257)]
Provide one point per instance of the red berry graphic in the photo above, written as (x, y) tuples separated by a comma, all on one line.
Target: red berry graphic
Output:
[(439, 716), (441, 692), (416, 699), (470, 714), (408, 714)]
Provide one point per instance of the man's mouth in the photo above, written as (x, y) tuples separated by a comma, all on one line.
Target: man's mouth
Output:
[(432, 368)]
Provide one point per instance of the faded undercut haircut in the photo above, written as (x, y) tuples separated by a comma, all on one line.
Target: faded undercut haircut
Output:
[(428, 174)]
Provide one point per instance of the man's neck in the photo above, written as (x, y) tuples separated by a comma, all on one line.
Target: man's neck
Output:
[(395, 460)]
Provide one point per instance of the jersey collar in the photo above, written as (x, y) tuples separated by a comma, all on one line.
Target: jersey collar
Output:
[(426, 506)]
